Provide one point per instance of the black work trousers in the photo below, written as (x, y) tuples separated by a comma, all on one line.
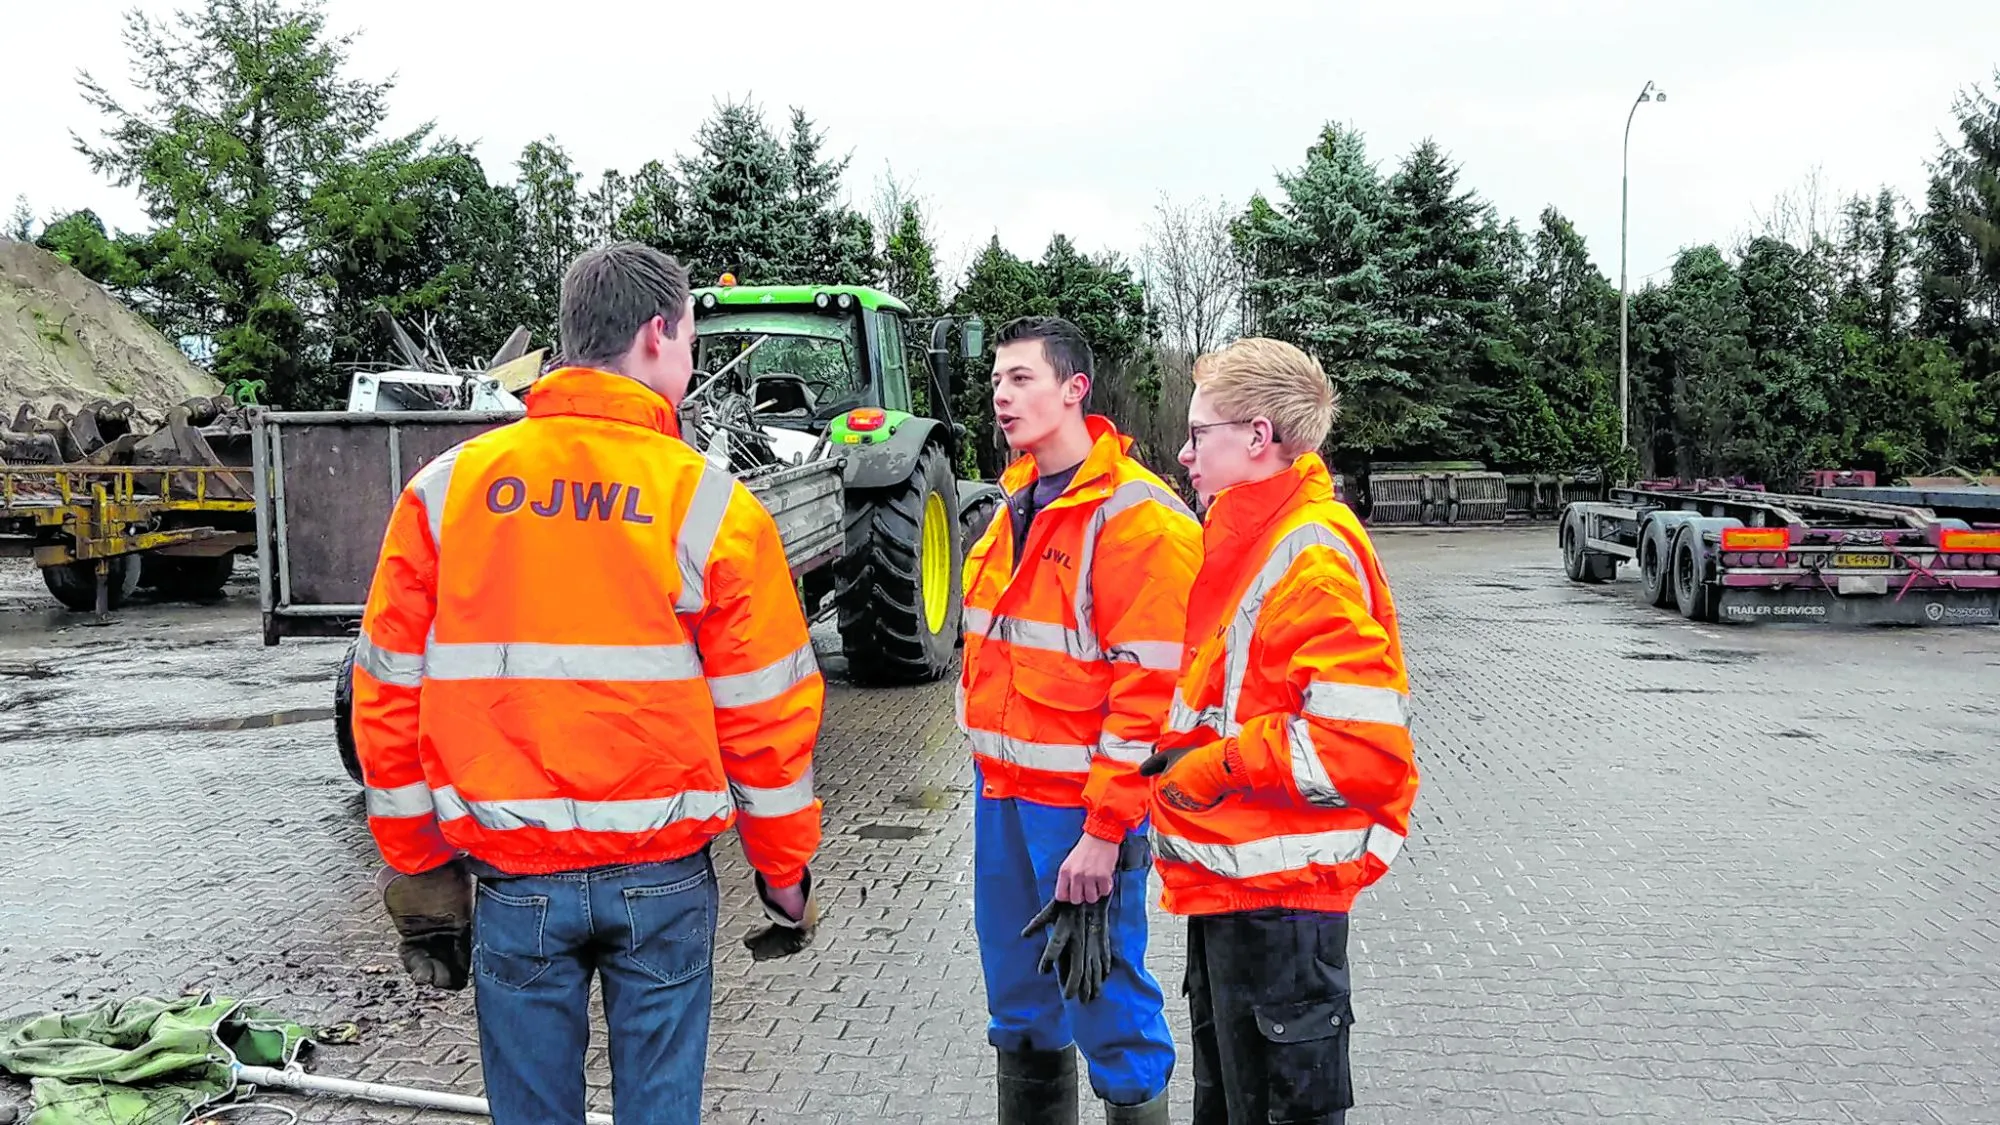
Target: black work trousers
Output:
[(1271, 1003)]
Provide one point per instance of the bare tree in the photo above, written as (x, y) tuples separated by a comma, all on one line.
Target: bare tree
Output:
[(891, 194), (1803, 215), (1192, 273)]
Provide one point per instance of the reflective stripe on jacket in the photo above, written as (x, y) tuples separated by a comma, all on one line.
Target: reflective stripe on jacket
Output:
[(1070, 660), (1293, 654), (582, 646)]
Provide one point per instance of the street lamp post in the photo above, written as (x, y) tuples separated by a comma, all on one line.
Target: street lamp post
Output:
[(1647, 94)]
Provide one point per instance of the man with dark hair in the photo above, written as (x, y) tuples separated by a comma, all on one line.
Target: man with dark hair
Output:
[(582, 659), (1074, 608)]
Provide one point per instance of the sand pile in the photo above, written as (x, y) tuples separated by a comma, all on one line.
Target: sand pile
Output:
[(64, 340)]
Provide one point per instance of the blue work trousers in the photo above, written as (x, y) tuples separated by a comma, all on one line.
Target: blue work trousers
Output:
[(1018, 848), (648, 930)]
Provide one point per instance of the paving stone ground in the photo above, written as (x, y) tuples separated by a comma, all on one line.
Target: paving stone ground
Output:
[(1660, 871)]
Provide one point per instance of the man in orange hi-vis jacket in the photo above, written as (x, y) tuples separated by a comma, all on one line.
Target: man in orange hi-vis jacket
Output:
[(1074, 604), (1285, 781), (582, 659)]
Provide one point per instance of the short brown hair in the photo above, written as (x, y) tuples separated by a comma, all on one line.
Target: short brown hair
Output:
[(610, 292), (1257, 377)]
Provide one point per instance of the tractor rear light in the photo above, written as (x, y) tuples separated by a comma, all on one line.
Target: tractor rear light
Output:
[(1731, 558), (866, 419), (1756, 538), (1770, 558), (1955, 540)]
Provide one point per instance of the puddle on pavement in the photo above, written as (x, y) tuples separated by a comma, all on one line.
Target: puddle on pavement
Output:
[(253, 722), (889, 832), (185, 726), (27, 669), (929, 797), (1668, 691), (1805, 735), (1698, 656)]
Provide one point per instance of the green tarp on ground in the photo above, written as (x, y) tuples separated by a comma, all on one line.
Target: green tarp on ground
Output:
[(142, 1061)]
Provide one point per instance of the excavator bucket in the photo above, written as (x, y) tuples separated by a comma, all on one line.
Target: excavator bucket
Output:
[(180, 443)]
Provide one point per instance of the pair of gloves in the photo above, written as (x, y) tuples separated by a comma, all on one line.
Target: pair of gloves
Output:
[(432, 913), (1079, 943)]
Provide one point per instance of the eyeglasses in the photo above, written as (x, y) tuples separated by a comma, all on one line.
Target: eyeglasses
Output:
[(1194, 432)]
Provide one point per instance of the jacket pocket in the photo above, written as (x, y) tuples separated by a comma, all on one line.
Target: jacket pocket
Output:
[(1306, 1058), (508, 937), (1055, 681)]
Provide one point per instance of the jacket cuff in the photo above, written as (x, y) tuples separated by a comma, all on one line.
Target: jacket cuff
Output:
[(784, 880), (1105, 825)]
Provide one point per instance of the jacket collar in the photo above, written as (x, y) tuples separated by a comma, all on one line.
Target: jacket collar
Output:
[(1245, 510), (586, 392), (1107, 448)]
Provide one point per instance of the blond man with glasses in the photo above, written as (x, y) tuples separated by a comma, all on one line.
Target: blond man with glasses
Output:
[(1284, 782)]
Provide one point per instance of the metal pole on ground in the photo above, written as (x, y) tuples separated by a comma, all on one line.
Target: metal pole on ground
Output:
[(299, 1080)]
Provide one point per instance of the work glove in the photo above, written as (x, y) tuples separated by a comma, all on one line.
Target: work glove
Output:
[(1079, 946), (785, 935), (1197, 778), (433, 913)]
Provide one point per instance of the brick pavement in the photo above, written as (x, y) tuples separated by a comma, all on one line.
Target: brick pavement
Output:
[(1660, 871)]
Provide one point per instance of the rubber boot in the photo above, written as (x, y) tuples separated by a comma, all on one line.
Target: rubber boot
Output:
[(1038, 1087), (1145, 1113)]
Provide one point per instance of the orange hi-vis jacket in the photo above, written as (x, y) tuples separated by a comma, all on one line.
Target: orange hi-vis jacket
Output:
[(1070, 659), (583, 647), (1293, 654)]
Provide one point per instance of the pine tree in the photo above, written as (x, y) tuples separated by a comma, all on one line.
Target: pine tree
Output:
[(1323, 257)]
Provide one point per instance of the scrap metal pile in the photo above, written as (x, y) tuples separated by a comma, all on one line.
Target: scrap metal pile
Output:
[(209, 432)]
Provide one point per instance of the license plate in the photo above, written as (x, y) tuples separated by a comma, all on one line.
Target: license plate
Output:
[(1856, 561)]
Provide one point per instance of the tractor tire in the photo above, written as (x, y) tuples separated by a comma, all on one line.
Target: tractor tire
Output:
[(1692, 594), (898, 581), (1656, 569), (75, 584), (343, 714)]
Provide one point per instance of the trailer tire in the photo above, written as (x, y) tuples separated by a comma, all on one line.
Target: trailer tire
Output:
[(1579, 563), (1692, 594), (898, 580), (193, 578), (343, 714), (75, 584), (1656, 565)]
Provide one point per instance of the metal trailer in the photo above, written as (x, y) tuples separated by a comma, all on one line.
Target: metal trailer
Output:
[(1747, 556), (327, 481), (99, 532)]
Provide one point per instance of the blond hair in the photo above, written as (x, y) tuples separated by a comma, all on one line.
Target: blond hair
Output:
[(1257, 377)]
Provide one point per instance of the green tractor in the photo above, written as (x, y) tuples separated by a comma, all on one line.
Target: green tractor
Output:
[(793, 373)]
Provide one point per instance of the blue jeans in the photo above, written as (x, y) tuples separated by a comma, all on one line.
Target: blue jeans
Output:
[(649, 931), (1127, 1047)]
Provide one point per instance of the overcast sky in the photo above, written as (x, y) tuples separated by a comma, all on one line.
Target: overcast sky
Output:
[(1028, 118)]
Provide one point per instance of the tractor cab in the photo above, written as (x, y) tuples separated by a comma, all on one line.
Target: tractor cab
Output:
[(789, 360)]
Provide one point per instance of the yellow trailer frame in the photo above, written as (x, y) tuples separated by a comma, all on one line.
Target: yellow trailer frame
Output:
[(68, 514)]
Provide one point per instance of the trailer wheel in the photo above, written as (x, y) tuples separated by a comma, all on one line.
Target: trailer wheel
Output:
[(1655, 566), (1692, 594), (194, 578), (75, 584), (1581, 565), (899, 577), (343, 714)]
